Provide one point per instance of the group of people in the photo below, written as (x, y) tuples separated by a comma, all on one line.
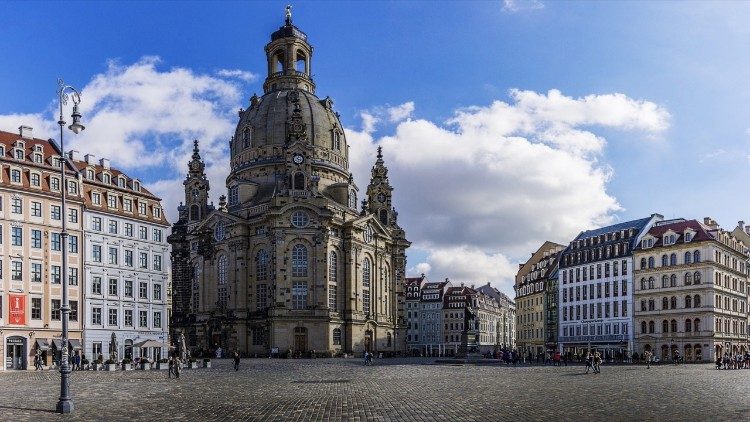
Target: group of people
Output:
[(594, 361), (739, 361)]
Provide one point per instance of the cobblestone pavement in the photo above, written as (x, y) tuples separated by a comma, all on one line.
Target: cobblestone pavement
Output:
[(391, 390)]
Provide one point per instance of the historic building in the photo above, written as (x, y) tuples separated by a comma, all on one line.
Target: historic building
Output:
[(287, 262), (431, 297), (531, 299), (31, 250), (691, 290), (125, 264), (551, 305), (505, 319), (596, 289), (412, 286)]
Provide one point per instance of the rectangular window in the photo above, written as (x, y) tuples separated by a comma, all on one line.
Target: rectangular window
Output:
[(261, 296), (16, 236), (73, 316), (96, 251), (141, 208), (36, 308), (128, 317), (143, 260), (36, 181), (36, 272), (55, 212), (127, 205), (96, 198), (73, 244), (113, 317), (157, 235), (56, 310), (112, 201), (96, 316), (96, 285), (615, 288), (624, 287), (15, 176), (157, 319), (606, 289), (143, 232), (96, 348), (157, 291), (56, 277), (258, 337), (606, 310), (157, 262), (624, 308), (615, 309), (112, 287), (36, 239), (54, 182), (73, 276), (625, 264), (16, 270), (142, 318), (55, 243), (599, 290), (143, 290), (128, 258), (113, 227), (36, 209), (129, 229), (96, 223), (128, 288), (299, 295), (16, 206), (113, 256), (73, 215), (599, 310)]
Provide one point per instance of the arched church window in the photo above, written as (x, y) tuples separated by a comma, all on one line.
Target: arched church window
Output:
[(221, 269), (368, 234), (219, 231), (247, 137), (278, 61), (300, 64), (299, 261), (384, 216), (333, 267), (366, 272), (261, 265), (195, 213), (299, 181), (352, 199), (234, 195), (336, 140)]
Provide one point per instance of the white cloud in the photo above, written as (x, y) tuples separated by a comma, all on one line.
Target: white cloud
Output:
[(145, 119), (512, 6), (238, 74), (400, 112), (503, 177)]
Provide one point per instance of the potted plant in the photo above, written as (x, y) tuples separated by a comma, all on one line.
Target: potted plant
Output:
[(161, 364), (206, 362), (126, 364), (144, 364), (192, 363), (110, 365)]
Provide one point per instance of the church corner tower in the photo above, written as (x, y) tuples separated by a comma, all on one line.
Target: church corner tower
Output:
[(287, 263)]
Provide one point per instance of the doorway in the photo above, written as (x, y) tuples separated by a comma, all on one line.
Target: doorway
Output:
[(368, 341), (300, 339), (15, 355)]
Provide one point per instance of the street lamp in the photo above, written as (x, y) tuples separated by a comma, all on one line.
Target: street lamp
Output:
[(65, 404)]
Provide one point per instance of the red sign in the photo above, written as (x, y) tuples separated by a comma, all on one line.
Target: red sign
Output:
[(17, 311)]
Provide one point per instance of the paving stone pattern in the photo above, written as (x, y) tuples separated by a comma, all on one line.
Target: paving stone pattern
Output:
[(391, 390)]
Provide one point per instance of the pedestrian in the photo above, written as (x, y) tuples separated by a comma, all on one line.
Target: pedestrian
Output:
[(77, 362), (236, 361), (171, 366), (597, 362), (36, 362), (177, 363), (647, 357), (718, 362), (590, 362)]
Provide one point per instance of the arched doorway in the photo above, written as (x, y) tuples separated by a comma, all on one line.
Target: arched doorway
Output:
[(698, 352), (688, 352), (300, 339), (129, 349), (15, 352), (664, 352), (368, 341)]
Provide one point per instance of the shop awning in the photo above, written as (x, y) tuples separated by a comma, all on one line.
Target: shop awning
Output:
[(42, 344), (151, 343), (58, 343), (75, 343)]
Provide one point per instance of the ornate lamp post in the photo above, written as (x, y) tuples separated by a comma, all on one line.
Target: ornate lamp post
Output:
[(65, 404)]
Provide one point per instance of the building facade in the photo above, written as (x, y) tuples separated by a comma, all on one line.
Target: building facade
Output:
[(531, 299), (412, 286), (596, 289), (432, 295), (288, 263), (31, 250), (691, 292), (126, 264)]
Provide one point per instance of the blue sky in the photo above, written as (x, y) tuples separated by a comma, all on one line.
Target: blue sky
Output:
[(673, 73)]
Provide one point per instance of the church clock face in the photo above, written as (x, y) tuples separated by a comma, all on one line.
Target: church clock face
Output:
[(381, 197), (298, 159)]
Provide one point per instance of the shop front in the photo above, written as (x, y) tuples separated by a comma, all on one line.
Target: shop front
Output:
[(16, 352)]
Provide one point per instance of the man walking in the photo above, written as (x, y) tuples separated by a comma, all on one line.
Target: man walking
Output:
[(236, 361), (647, 356), (590, 362), (597, 362), (177, 363), (171, 366)]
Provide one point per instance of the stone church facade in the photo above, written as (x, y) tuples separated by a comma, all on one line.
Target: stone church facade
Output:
[(288, 262)]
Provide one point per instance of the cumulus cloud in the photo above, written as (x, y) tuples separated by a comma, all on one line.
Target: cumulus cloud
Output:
[(400, 112), (494, 182), (144, 119), (513, 6), (243, 75)]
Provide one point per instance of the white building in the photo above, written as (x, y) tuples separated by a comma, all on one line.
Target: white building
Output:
[(596, 289), (125, 266)]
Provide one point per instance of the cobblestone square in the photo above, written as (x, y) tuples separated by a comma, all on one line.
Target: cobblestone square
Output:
[(391, 390)]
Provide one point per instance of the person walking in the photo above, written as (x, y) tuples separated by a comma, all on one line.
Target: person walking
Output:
[(597, 362), (590, 362), (77, 362), (171, 366), (236, 361), (647, 357), (177, 363)]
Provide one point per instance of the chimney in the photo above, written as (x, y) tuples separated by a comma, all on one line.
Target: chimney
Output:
[(741, 224), (25, 131), (104, 162), (89, 158), (73, 155)]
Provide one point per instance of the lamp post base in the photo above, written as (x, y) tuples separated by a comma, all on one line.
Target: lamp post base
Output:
[(64, 406)]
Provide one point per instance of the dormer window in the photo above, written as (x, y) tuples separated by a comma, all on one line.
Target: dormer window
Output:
[(106, 178), (111, 201), (15, 176), (19, 154), (647, 243), (38, 158), (56, 162), (127, 205), (2, 151), (688, 236), (121, 182), (141, 208), (90, 174), (157, 212), (669, 239), (137, 187), (96, 198)]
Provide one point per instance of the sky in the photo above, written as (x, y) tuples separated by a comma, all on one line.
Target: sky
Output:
[(503, 123)]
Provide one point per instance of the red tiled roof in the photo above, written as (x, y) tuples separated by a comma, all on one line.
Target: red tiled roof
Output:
[(679, 227)]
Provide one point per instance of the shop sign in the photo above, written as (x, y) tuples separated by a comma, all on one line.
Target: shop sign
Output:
[(17, 311)]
